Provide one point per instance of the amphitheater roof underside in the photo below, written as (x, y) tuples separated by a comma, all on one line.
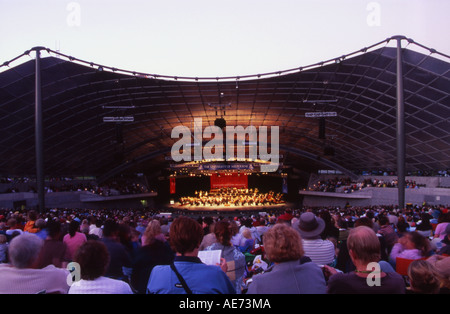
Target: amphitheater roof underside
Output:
[(360, 88)]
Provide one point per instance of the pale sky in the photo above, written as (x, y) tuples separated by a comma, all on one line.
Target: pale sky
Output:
[(216, 38)]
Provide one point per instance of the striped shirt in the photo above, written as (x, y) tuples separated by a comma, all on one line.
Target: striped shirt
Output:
[(321, 252)]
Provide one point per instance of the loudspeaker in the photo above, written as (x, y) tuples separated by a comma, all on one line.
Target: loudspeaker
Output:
[(322, 128), (220, 122)]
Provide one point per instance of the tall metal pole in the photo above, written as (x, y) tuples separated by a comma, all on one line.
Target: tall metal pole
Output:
[(401, 146), (39, 133)]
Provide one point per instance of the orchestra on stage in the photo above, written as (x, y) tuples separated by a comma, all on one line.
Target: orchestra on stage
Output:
[(232, 197)]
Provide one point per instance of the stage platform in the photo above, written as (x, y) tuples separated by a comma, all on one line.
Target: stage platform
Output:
[(224, 208)]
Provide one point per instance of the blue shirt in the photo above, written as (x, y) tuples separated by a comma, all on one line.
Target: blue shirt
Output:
[(199, 277)]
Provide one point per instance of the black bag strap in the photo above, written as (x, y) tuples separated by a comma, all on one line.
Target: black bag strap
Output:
[(181, 279)]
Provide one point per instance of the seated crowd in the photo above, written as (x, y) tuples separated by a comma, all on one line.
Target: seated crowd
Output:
[(304, 251), (118, 186), (346, 185)]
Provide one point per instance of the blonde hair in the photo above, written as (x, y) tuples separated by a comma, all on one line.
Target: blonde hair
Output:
[(152, 230), (424, 277), (282, 243)]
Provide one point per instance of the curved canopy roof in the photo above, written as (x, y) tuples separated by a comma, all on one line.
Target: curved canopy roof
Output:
[(359, 87)]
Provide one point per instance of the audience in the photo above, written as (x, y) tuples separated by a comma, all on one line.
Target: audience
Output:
[(93, 258), (423, 278), (154, 251), (310, 227), (74, 239), (3, 249), (364, 249), (283, 246), (188, 273), (137, 245), (411, 246), (21, 277), (234, 258), (388, 232), (445, 243), (119, 266), (54, 250)]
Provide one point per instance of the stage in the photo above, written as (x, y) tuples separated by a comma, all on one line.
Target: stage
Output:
[(227, 208)]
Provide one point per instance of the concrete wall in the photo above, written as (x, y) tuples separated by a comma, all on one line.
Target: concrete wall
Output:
[(73, 200), (377, 196)]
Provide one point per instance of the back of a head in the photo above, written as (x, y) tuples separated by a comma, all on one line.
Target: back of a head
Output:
[(424, 277), (420, 242), (24, 249), (32, 215), (40, 223), (152, 230), (74, 226), (110, 228), (185, 235), (53, 228), (93, 258), (364, 244), (364, 221), (383, 220), (282, 243), (222, 230)]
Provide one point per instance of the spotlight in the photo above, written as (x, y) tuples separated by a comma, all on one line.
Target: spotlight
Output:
[(220, 122)]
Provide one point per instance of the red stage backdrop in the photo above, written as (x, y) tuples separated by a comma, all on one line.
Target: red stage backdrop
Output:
[(234, 180), (172, 185)]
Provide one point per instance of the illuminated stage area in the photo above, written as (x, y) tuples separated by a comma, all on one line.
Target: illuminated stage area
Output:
[(228, 197), (226, 189)]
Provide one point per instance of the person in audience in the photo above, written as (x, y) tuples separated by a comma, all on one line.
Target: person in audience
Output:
[(93, 258), (3, 249), (187, 274), (209, 238), (388, 232), (153, 231), (54, 249), (441, 264), (330, 229), (443, 222), (445, 243), (41, 230), (74, 239), (96, 229), (13, 229), (21, 276), (364, 249), (423, 278), (411, 246), (402, 226), (119, 266), (234, 258), (288, 275), (31, 220), (155, 250), (310, 227), (247, 242), (424, 227)]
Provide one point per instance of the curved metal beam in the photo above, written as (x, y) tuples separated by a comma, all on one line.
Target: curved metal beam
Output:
[(316, 158)]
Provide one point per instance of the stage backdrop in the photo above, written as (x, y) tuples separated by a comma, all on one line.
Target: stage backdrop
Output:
[(233, 180)]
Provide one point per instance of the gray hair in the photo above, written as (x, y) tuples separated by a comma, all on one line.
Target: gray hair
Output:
[(24, 249)]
